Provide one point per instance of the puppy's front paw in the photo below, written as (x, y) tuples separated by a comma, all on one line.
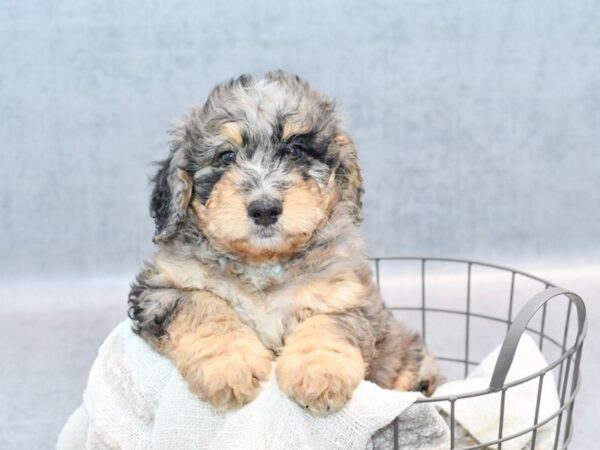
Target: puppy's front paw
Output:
[(229, 375), (321, 380)]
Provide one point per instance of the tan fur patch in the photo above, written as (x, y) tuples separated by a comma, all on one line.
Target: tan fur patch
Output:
[(405, 381), (303, 208), (225, 220), (258, 255), (187, 188), (224, 216), (354, 183), (232, 133), (294, 128), (331, 294), (318, 367), (343, 140), (180, 273), (221, 359)]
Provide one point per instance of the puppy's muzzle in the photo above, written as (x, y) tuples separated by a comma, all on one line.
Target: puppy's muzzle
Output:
[(265, 211)]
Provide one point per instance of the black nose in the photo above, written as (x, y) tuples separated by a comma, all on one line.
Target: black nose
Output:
[(265, 211)]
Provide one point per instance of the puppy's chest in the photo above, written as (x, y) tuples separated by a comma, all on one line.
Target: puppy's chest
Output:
[(250, 293), (269, 317), (270, 312)]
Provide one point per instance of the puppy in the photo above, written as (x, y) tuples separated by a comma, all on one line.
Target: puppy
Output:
[(259, 255)]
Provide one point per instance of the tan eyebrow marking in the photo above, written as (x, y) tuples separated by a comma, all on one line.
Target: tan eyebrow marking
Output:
[(293, 128), (232, 133)]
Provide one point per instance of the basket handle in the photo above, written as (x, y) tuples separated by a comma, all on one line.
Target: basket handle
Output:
[(509, 346)]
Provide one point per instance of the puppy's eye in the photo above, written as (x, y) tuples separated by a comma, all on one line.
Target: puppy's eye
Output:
[(294, 152), (227, 157)]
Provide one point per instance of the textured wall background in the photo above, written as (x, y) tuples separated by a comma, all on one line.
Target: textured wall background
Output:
[(478, 123)]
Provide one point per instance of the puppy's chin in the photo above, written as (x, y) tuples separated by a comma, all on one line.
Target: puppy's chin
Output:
[(268, 245), (271, 245), (263, 235)]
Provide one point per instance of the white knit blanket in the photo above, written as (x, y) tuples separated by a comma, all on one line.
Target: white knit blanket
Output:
[(480, 416), (136, 399)]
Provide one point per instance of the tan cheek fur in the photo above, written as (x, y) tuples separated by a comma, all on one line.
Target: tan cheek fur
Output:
[(226, 209), (318, 367), (305, 207), (221, 359), (224, 217)]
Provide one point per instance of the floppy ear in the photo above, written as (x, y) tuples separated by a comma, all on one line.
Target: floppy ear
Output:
[(170, 196), (348, 173)]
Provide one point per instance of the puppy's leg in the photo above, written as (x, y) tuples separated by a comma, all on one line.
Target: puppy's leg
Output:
[(221, 358), (320, 366), (430, 376), (403, 362), (420, 372)]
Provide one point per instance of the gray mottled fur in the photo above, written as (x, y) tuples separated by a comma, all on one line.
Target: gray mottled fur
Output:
[(259, 106)]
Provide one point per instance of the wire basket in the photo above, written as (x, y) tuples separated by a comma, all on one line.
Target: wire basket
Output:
[(499, 304)]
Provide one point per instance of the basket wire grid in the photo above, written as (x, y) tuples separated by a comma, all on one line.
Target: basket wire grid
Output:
[(565, 343)]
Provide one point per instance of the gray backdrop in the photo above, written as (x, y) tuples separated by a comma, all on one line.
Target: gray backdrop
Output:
[(477, 124)]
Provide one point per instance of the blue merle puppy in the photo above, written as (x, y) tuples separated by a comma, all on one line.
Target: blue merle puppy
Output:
[(260, 257)]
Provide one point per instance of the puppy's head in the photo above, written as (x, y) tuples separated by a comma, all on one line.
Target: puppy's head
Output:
[(258, 169)]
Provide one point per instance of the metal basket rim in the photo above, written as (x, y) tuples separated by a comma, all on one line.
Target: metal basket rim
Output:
[(567, 352), (462, 261)]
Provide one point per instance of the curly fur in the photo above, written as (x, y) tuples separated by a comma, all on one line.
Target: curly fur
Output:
[(222, 292)]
